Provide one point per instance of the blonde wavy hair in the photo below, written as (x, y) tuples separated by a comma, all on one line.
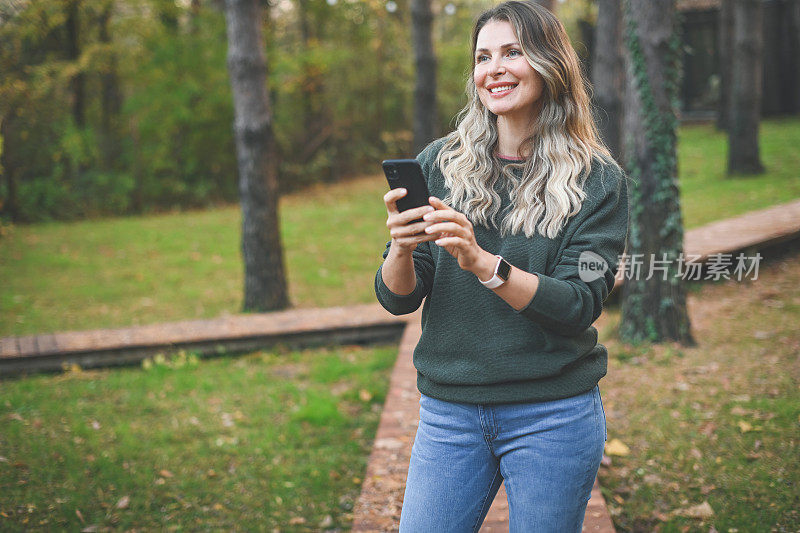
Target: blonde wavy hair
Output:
[(560, 149)]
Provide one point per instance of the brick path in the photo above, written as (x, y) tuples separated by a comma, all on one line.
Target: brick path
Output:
[(237, 333)]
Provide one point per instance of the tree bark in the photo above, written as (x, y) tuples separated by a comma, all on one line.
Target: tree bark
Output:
[(425, 110), (745, 104), (111, 98), (73, 54), (264, 284), (725, 41), (9, 205), (653, 309), (608, 74), (793, 24)]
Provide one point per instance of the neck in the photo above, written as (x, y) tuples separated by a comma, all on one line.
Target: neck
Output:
[(512, 130)]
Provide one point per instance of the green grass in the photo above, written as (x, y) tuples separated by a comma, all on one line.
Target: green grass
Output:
[(715, 423), (708, 194), (250, 443), (139, 270)]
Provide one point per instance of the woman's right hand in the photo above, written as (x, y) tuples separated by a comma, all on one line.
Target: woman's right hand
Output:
[(405, 233)]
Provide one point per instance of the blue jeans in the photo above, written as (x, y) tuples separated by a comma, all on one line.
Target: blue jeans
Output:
[(547, 453)]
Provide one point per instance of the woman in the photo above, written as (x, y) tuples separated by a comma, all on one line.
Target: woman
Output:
[(508, 363)]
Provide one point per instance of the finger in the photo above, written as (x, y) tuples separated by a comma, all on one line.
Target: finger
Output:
[(413, 214), (437, 203), (442, 215), (444, 242), (406, 230), (448, 227), (391, 197), (414, 239)]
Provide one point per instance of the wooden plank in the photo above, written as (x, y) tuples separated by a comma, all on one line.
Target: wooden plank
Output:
[(8, 347), (26, 346), (47, 344)]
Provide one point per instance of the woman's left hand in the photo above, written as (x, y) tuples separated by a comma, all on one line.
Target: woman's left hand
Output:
[(457, 236)]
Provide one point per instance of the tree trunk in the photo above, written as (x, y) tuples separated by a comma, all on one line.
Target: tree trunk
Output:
[(725, 63), (9, 205), (608, 74), (793, 32), (745, 105), (653, 309), (264, 284), (110, 95), (73, 54), (425, 111)]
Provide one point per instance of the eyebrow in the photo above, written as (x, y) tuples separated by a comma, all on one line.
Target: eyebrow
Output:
[(509, 45)]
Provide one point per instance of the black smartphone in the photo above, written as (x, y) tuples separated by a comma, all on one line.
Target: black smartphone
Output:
[(407, 173)]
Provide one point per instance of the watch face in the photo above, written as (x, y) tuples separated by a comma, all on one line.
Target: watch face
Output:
[(503, 269)]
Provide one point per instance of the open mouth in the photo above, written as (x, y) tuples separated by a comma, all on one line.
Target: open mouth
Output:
[(502, 88)]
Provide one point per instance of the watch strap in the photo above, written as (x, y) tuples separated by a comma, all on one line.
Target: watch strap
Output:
[(498, 277)]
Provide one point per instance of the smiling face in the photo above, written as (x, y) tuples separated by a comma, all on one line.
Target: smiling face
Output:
[(506, 83)]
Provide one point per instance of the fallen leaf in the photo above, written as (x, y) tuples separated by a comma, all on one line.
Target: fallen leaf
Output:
[(700, 511), (617, 447), (166, 473), (296, 520), (744, 427), (365, 395), (79, 515), (124, 502)]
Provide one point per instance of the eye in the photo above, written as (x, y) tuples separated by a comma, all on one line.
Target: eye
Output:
[(513, 52), (481, 58)]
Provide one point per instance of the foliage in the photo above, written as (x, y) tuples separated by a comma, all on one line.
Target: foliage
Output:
[(155, 128)]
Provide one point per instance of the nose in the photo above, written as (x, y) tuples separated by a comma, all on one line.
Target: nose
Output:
[(496, 68)]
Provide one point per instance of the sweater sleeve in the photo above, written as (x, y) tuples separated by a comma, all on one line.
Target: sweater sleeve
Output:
[(568, 301), (423, 268), (423, 259)]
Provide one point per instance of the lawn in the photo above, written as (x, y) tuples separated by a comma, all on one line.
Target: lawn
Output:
[(139, 270), (708, 194), (279, 439), (712, 430), (269, 440)]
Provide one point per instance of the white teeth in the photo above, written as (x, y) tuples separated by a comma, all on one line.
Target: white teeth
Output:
[(500, 89)]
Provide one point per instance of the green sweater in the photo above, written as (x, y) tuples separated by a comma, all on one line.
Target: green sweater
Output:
[(475, 348)]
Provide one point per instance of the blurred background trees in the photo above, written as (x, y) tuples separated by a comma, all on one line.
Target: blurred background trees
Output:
[(119, 107)]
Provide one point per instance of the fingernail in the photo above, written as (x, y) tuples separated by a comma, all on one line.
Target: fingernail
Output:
[(426, 217), (427, 230), (430, 208)]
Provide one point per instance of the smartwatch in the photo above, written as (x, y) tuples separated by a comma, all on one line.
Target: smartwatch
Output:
[(501, 271)]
